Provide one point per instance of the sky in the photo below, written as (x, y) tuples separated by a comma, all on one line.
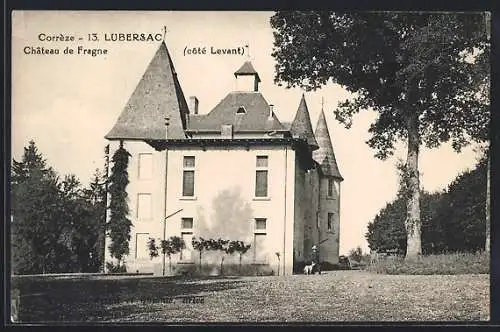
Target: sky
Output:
[(67, 103)]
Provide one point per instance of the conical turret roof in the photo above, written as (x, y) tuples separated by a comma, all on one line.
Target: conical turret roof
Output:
[(158, 95), (301, 125), (325, 156)]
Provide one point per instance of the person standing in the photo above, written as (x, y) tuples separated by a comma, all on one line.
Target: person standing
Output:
[(315, 260)]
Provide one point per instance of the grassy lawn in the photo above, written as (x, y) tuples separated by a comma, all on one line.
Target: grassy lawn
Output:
[(332, 296), (450, 263)]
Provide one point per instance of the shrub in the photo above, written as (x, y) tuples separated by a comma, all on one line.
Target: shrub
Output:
[(192, 270), (452, 263), (355, 255), (112, 268)]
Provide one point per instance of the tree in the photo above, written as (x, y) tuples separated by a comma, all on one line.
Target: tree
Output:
[(200, 245), (119, 224), (36, 228), (94, 228), (387, 230), (102, 239), (241, 248), (32, 164), (76, 211), (224, 247), (356, 254), (168, 247), (56, 226), (452, 219), (424, 73), (462, 210)]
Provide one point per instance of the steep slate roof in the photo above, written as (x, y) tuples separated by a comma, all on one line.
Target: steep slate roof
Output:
[(325, 156), (301, 125), (157, 95), (255, 118), (247, 69), (286, 124)]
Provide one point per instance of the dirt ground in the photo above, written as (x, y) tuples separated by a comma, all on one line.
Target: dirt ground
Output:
[(331, 297)]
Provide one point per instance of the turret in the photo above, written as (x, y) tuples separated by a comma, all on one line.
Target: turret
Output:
[(301, 126), (157, 97), (325, 156), (329, 192), (247, 78)]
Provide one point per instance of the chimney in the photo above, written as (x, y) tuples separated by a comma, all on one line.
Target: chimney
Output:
[(193, 105), (271, 111), (226, 131)]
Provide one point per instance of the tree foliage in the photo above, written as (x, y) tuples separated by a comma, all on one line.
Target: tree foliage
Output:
[(97, 196), (387, 230), (168, 247), (356, 254), (425, 74), (452, 220), (200, 245), (241, 248), (119, 224), (36, 228), (433, 64), (462, 211), (55, 226), (224, 247)]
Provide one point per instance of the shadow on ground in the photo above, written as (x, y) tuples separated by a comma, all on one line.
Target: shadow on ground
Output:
[(90, 298)]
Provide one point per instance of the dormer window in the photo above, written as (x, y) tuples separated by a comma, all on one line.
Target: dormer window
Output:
[(241, 110)]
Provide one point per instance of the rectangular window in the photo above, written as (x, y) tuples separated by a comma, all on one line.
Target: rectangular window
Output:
[(187, 252), (261, 176), (188, 183), (189, 162), (330, 188), (259, 243), (260, 225), (330, 221), (262, 161), (144, 206), (141, 245), (261, 184), (187, 223), (145, 170), (188, 176)]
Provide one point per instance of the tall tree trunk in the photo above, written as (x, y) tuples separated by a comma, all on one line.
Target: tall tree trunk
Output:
[(170, 264), (413, 222), (487, 241)]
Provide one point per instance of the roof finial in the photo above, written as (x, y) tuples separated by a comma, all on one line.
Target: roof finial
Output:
[(322, 102), (248, 51), (164, 31)]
